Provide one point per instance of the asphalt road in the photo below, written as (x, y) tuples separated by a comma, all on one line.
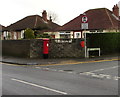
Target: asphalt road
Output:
[(89, 78)]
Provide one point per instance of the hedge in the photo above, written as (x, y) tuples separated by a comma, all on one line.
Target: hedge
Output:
[(108, 42)]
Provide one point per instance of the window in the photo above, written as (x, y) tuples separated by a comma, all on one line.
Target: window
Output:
[(65, 35), (77, 34)]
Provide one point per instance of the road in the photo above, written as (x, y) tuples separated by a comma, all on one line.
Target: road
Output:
[(87, 78)]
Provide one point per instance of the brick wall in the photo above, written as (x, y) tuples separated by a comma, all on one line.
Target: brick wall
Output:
[(66, 50), (36, 48), (33, 48), (17, 48)]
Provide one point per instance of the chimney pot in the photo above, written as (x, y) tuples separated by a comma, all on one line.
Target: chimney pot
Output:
[(50, 18)]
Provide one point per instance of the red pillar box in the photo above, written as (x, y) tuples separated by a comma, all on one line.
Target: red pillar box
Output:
[(45, 48), (82, 44)]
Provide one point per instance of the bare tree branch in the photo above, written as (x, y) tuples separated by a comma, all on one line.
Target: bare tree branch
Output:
[(52, 16)]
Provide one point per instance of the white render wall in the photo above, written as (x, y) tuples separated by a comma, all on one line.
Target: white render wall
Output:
[(57, 35)]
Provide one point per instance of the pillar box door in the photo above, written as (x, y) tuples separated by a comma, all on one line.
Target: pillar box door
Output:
[(45, 46)]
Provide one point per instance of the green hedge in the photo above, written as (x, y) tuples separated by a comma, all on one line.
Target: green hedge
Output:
[(108, 42)]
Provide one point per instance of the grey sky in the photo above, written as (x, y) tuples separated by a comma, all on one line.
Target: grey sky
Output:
[(66, 10)]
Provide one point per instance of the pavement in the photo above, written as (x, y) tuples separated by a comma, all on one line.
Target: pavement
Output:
[(30, 61)]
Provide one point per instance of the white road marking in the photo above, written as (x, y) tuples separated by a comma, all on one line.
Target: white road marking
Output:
[(69, 72), (86, 73), (105, 69), (60, 70), (92, 74), (47, 68), (35, 85), (100, 75), (53, 69), (116, 77), (38, 67)]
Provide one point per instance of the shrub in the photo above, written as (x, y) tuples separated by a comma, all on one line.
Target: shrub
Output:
[(45, 35), (29, 34)]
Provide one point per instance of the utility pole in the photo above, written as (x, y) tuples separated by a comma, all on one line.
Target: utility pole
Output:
[(85, 45)]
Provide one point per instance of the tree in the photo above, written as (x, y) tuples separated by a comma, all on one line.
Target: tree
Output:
[(53, 16), (29, 34)]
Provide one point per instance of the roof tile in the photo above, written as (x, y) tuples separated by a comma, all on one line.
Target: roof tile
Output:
[(33, 22), (100, 18)]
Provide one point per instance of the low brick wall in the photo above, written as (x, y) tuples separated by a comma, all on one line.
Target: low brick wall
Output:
[(66, 50), (36, 48), (17, 48), (33, 48)]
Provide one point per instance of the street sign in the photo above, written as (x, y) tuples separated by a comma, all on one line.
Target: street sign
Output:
[(84, 26), (84, 20)]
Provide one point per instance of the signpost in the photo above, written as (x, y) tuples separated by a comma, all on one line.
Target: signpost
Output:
[(84, 26)]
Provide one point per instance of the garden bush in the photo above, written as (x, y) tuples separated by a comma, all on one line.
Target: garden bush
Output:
[(29, 34)]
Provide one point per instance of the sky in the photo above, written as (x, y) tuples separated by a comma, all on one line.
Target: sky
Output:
[(13, 10)]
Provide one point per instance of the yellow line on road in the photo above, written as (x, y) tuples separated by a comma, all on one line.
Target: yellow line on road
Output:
[(83, 62)]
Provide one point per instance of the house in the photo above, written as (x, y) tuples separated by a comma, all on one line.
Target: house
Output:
[(2, 29), (99, 20), (34, 22)]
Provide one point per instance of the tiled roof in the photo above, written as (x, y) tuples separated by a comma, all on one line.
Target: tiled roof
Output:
[(101, 18), (33, 22), (2, 28)]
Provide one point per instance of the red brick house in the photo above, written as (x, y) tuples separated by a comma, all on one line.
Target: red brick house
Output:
[(35, 22), (99, 20)]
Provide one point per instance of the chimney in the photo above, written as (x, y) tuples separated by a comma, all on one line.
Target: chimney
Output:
[(50, 18), (116, 10), (44, 15)]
